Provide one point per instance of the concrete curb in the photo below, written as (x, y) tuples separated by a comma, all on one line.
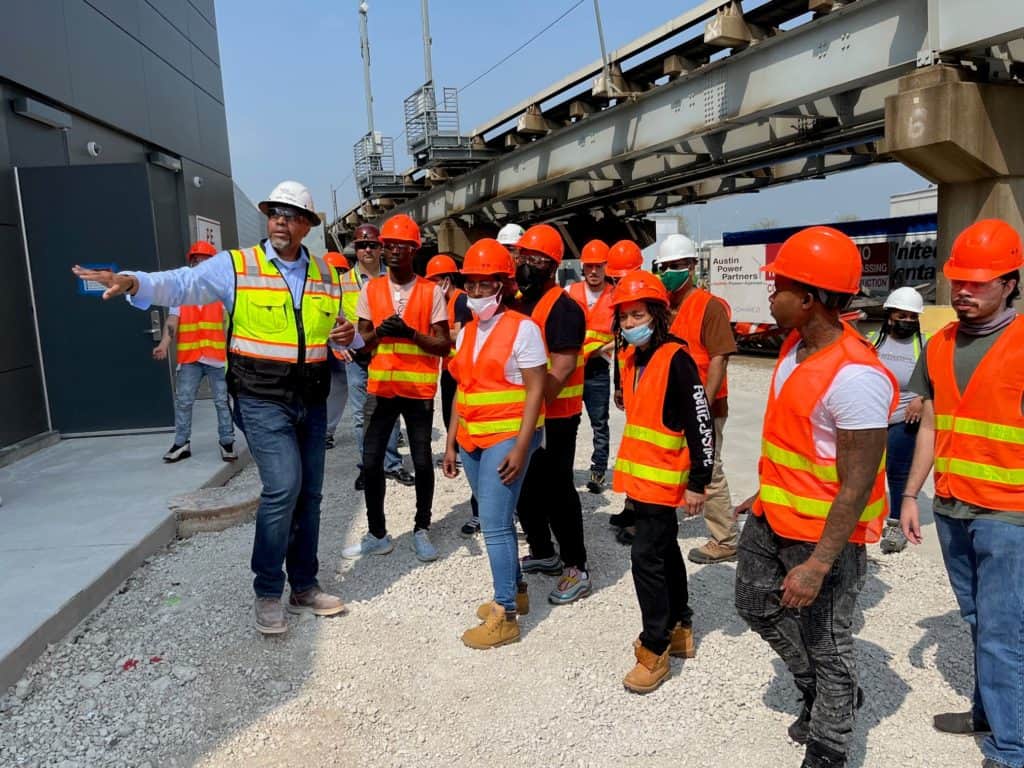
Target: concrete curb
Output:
[(94, 594)]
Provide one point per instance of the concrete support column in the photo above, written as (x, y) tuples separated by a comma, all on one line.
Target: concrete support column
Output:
[(452, 237), (966, 137)]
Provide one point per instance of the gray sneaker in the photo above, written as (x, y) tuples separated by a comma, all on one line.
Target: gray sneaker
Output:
[(270, 616), (552, 566), (369, 545), (422, 546), (893, 540)]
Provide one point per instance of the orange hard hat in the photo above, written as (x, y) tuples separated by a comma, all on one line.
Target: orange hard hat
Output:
[(401, 227), (594, 252), (821, 257), (639, 285), (984, 251), (201, 249), (624, 257), (442, 264), (488, 257), (545, 239), (337, 260)]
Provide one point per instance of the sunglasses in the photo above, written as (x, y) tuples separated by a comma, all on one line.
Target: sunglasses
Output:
[(288, 214), (367, 245)]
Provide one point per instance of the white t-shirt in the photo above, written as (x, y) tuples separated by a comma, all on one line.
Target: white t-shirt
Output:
[(399, 298), (858, 398), (527, 350)]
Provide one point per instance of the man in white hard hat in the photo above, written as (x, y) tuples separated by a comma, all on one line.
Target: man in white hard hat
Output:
[(509, 236), (279, 379), (899, 343), (702, 321)]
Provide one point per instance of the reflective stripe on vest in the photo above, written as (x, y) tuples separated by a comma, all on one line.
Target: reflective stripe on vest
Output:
[(489, 406), (653, 462), (350, 289), (569, 401), (400, 367), (599, 317), (687, 325), (979, 435), (798, 486), (201, 333), (264, 320)]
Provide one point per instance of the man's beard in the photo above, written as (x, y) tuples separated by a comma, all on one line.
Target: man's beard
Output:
[(280, 242)]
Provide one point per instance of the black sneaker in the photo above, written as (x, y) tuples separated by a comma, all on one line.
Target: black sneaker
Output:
[(960, 724), (329, 442), (402, 476), (596, 482), (471, 527), (626, 535), (360, 483), (178, 452), (820, 756), (227, 452)]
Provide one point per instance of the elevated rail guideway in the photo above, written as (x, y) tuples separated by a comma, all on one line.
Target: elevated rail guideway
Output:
[(792, 89)]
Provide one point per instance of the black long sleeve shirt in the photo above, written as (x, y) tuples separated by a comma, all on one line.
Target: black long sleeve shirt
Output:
[(686, 410)]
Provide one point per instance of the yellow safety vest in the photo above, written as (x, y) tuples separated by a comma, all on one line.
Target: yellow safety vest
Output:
[(264, 321)]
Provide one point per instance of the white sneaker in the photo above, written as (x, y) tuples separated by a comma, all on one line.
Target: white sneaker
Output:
[(369, 545)]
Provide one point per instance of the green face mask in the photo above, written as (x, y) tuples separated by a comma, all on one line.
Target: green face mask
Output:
[(674, 279)]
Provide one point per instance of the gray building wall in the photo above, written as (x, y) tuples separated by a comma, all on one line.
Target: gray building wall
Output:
[(136, 76), (252, 225)]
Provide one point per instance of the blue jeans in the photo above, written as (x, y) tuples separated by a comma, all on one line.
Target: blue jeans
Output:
[(597, 391), (898, 456), (357, 376), (190, 375), (497, 503), (287, 443), (339, 393), (985, 563)]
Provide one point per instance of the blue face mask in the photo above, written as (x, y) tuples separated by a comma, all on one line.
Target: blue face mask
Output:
[(638, 335)]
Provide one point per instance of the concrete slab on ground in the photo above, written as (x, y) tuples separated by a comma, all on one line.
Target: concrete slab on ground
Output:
[(79, 517)]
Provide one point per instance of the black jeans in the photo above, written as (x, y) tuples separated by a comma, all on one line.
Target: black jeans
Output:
[(597, 388), (659, 575), (549, 502), (815, 642), (381, 415)]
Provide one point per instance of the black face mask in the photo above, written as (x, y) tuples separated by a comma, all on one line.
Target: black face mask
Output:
[(531, 279), (904, 329)]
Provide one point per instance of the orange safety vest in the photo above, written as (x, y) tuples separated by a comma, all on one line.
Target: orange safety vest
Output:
[(490, 407), (599, 317), (797, 486), (687, 326), (653, 461), (979, 436), (400, 367), (569, 401), (201, 333)]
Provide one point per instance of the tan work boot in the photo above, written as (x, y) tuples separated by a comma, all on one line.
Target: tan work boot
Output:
[(499, 628), (270, 616), (522, 604), (681, 643), (712, 552), (315, 601), (650, 671)]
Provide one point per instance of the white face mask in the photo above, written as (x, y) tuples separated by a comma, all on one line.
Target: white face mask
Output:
[(484, 307)]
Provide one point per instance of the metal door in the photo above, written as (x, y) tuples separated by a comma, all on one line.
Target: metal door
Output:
[(97, 355)]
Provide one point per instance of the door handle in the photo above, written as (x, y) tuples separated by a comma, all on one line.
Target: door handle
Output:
[(155, 326)]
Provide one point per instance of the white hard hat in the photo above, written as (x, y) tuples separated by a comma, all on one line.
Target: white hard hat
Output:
[(294, 194), (675, 247), (510, 234), (905, 298)]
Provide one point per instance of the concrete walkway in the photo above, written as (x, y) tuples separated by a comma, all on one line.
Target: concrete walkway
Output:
[(79, 517)]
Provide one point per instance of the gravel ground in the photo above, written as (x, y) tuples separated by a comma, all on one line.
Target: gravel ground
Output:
[(169, 672)]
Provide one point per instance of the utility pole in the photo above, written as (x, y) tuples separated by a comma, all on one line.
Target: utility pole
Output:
[(606, 65), (364, 49), (427, 66)]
